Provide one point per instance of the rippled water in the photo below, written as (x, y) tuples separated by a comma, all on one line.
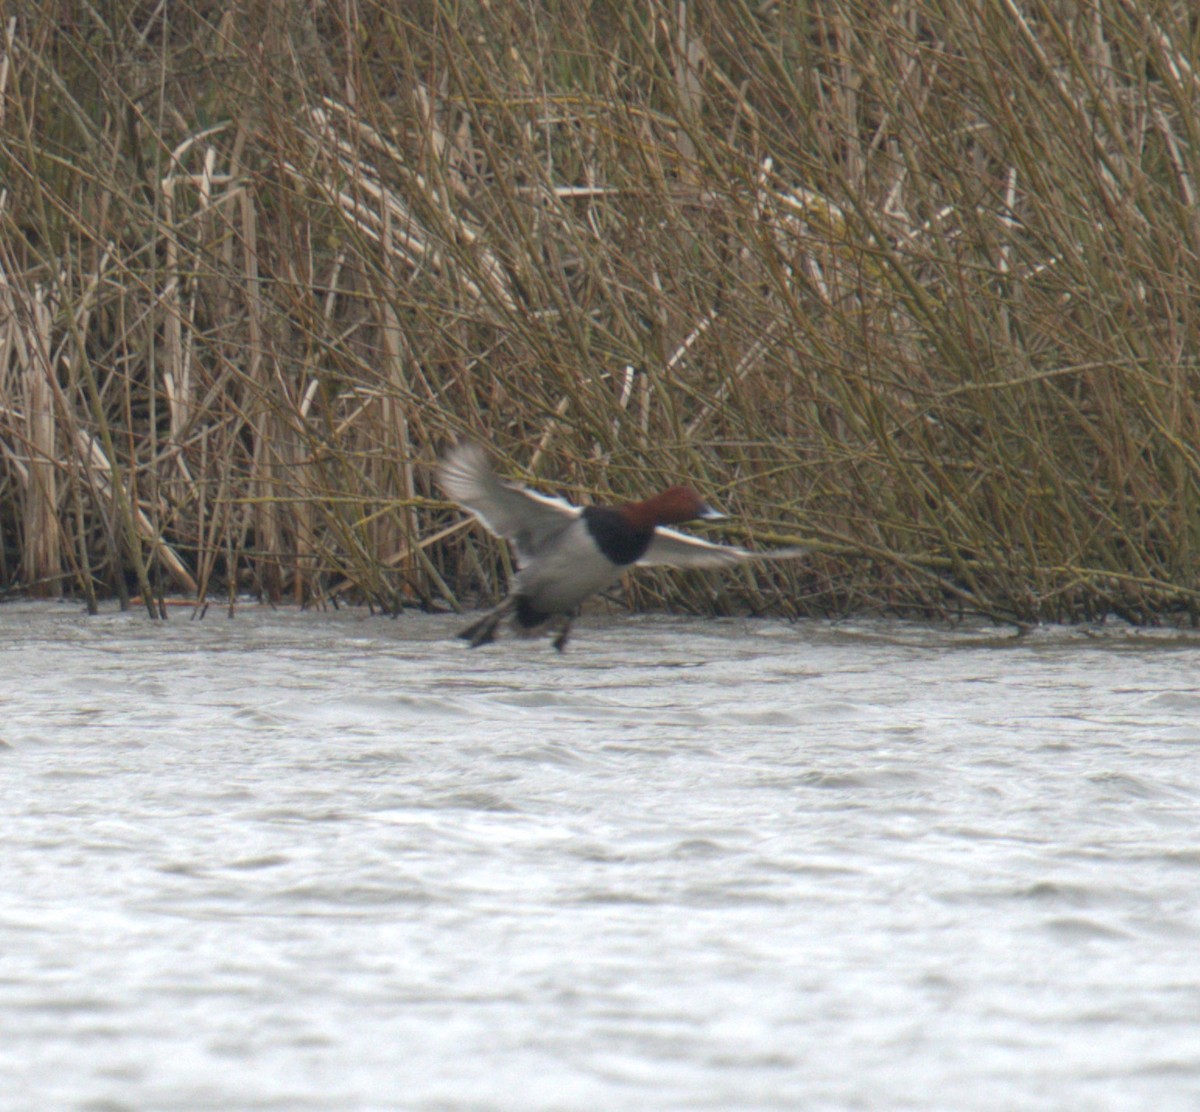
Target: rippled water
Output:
[(327, 861)]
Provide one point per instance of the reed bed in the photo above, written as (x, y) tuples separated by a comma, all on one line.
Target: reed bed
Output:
[(913, 284)]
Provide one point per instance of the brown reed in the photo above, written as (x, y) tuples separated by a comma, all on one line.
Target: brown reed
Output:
[(914, 284)]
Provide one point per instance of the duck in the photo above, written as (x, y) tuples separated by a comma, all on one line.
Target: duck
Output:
[(567, 553)]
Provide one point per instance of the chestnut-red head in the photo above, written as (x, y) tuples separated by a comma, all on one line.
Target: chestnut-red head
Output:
[(673, 506)]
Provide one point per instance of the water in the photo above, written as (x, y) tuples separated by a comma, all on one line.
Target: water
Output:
[(327, 861)]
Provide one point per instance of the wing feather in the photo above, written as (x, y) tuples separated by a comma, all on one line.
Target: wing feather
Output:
[(679, 550), (526, 518)]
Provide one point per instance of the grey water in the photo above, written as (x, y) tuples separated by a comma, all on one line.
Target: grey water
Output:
[(300, 860)]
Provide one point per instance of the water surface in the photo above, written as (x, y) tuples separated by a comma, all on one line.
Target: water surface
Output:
[(328, 861)]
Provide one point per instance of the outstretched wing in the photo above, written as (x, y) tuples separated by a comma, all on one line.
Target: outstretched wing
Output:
[(526, 518), (678, 550)]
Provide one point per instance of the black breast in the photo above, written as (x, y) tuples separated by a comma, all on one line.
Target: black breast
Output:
[(616, 538)]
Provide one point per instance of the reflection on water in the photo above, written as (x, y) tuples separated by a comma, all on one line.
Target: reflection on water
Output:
[(325, 861)]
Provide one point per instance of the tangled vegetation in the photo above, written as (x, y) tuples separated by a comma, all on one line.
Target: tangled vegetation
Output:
[(914, 284)]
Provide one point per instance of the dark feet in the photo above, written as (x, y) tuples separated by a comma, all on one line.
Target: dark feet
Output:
[(483, 631), (560, 642)]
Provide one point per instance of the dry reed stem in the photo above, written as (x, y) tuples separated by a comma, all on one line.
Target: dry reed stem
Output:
[(43, 556)]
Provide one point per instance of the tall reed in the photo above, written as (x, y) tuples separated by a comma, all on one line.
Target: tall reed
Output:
[(914, 284)]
